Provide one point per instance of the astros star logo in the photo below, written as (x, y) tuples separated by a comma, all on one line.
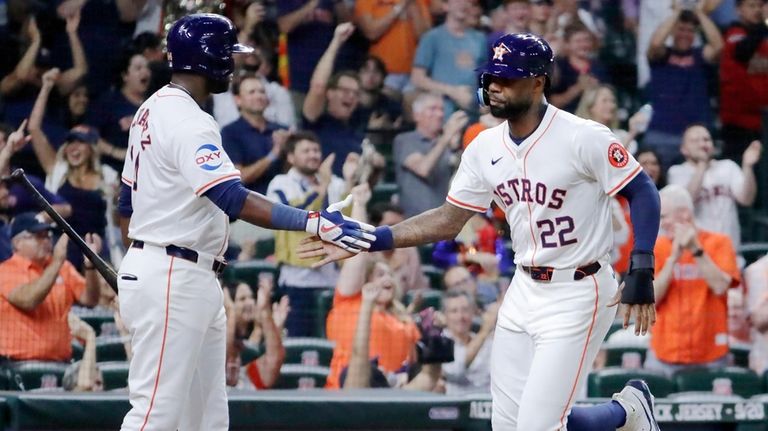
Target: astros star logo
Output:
[(499, 51)]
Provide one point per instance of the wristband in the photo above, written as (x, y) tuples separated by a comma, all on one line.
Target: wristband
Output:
[(384, 239), (641, 260), (284, 217)]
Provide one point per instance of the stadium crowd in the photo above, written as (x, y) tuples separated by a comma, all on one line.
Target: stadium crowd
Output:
[(377, 99)]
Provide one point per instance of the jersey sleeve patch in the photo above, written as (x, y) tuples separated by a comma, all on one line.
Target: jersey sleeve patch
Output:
[(208, 157), (617, 155)]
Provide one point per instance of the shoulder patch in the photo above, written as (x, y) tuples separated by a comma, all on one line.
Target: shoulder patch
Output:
[(617, 155), (209, 157)]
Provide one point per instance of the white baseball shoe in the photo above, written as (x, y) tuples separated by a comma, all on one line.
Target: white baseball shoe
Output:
[(637, 401)]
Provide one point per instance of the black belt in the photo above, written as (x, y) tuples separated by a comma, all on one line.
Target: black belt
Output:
[(186, 254), (544, 273)]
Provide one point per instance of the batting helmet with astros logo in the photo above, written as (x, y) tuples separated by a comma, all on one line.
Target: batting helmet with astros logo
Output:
[(204, 43), (516, 56)]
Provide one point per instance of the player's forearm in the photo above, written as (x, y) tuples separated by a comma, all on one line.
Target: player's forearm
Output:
[(28, 296), (717, 280), (444, 222)]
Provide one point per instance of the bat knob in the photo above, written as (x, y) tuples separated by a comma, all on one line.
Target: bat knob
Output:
[(17, 173)]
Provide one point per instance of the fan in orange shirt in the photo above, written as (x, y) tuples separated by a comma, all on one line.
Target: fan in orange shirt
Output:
[(694, 270)]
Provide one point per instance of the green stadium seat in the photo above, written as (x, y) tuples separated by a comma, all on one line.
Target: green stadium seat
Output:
[(324, 302), (383, 192), (752, 251), (293, 376), (251, 352), (615, 326), (110, 349), (248, 271), (429, 298), (607, 381), (40, 374), (435, 276), (101, 324), (743, 381), (265, 248), (308, 351), (616, 355), (77, 350), (739, 353), (425, 253), (115, 374)]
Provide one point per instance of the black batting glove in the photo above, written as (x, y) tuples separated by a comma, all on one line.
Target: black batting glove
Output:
[(638, 284)]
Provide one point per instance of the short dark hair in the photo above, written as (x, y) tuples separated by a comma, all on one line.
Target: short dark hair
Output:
[(576, 27), (146, 40), (378, 209), (296, 137), (334, 81), (377, 62), (124, 63), (242, 77)]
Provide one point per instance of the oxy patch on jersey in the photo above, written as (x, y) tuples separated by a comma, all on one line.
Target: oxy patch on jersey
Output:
[(209, 157), (617, 155)]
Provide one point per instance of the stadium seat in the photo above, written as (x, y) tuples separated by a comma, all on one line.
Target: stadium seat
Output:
[(743, 381), (251, 352), (383, 192), (435, 276), (265, 248), (425, 253), (308, 351), (617, 354), (752, 251), (324, 303), (429, 298), (40, 374), (293, 376), (101, 324), (77, 350), (739, 353), (607, 381), (248, 271), (110, 349), (115, 374)]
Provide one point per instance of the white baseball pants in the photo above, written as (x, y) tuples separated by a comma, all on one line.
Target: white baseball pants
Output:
[(174, 311), (546, 338)]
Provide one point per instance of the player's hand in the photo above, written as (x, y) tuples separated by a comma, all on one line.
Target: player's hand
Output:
[(752, 154), (332, 226), (312, 247), (636, 293)]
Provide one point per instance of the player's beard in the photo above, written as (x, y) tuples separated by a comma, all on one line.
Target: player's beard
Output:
[(512, 111), (218, 86)]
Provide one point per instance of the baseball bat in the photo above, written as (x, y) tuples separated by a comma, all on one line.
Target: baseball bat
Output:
[(104, 269)]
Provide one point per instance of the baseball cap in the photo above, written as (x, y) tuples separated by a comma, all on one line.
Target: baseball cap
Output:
[(79, 133), (28, 222)]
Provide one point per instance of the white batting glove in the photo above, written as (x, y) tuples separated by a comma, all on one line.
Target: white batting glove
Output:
[(333, 227)]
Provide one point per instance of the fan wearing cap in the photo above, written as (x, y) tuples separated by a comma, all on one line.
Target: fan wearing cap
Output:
[(75, 173), (38, 286)]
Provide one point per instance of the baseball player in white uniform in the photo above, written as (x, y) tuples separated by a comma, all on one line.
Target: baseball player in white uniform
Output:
[(180, 190), (553, 174)]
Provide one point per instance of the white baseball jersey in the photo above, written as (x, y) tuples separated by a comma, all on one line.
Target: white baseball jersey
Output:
[(174, 156), (554, 187), (714, 207)]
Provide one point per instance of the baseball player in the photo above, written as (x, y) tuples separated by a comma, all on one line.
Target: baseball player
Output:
[(180, 190), (553, 174)]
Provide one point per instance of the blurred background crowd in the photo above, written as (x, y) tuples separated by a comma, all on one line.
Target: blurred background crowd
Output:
[(376, 98)]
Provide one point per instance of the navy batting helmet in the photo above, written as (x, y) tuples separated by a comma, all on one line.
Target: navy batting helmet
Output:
[(204, 43), (516, 55)]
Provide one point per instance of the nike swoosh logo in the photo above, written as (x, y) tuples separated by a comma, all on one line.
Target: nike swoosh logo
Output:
[(493, 162), (327, 229)]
